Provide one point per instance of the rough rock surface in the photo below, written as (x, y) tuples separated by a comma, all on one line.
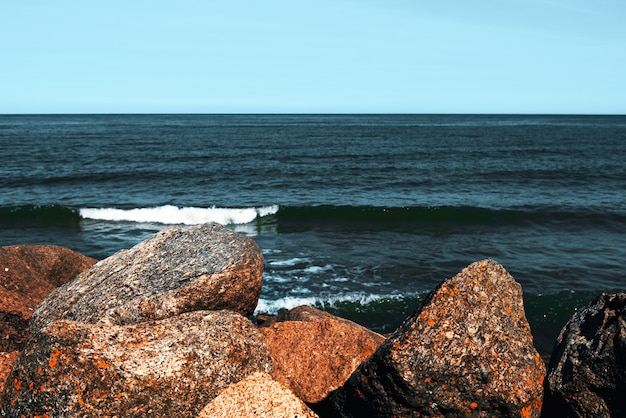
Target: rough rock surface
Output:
[(28, 273), (587, 371), (467, 351), (6, 362), (13, 331), (170, 367), (180, 269), (305, 313), (317, 354), (257, 396)]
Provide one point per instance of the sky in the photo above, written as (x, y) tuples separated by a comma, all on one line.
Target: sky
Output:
[(305, 56)]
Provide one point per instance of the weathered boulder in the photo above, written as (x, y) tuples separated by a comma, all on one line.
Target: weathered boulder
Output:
[(467, 350), (305, 313), (169, 367), (28, 273), (180, 269), (257, 395), (316, 352), (587, 370)]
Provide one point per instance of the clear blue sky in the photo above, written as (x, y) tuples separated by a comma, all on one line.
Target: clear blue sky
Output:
[(326, 56)]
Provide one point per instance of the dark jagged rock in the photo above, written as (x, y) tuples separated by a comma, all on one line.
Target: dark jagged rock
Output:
[(587, 370), (171, 367), (467, 351), (180, 269), (314, 352)]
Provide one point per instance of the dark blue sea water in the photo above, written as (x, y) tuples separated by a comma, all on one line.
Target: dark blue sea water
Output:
[(361, 215)]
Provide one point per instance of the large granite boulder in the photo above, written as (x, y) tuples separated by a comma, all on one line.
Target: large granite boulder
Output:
[(467, 351), (169, 367), (314, 352), (305, 313), (180, 269), (257, 395), (28, 273), (587, 371)]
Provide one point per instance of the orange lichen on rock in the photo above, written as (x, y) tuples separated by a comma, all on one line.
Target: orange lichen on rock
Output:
[(467, 331), (53, 357), (91, 364)]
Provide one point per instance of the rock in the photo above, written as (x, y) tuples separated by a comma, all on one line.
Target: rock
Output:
[(13, 335), (6, 363), (28, 273), (180, 269), (587, 370), (256, 396), (466, 351), (13, 331), (316, 357), (168, 367), (309, 314)]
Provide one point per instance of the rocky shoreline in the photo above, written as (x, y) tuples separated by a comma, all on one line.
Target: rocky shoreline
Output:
[(165, 329)]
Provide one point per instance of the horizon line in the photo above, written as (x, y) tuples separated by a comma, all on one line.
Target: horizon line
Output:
[(304, 114)]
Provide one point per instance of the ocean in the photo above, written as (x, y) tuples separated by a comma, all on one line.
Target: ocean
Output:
[(359, 215)]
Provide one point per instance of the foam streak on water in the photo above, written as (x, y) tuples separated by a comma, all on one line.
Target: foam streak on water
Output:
[(172, 215)]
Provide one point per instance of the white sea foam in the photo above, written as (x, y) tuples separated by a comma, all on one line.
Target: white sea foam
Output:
[(275, 278), (172, 215), (318, 269), (289, 302), (289, 262), (267, 251)]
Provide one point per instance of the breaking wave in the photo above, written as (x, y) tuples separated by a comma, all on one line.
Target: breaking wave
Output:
[(172, 215)]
